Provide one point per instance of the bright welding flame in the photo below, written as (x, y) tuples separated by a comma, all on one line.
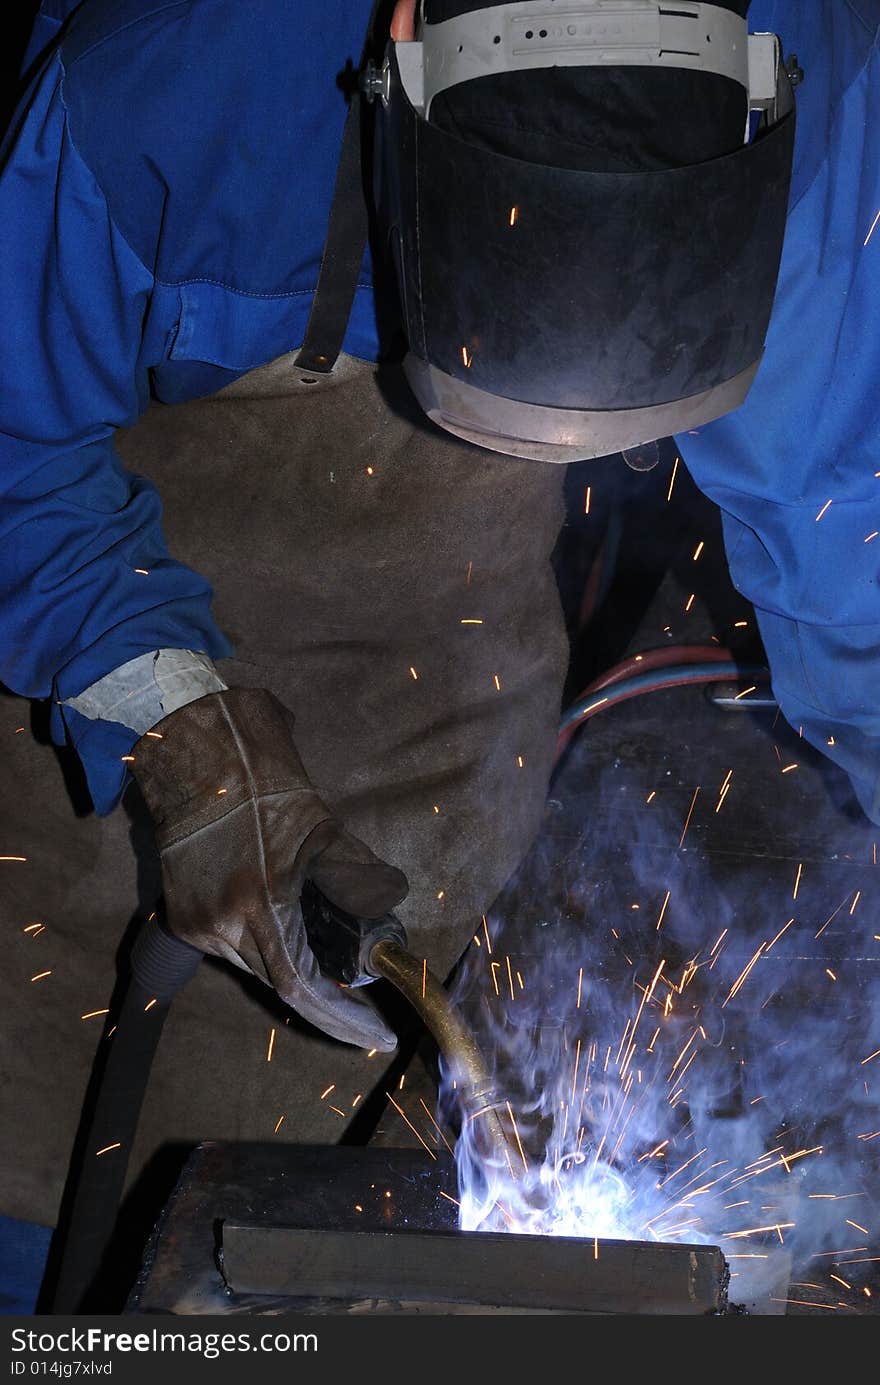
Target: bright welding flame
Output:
[(637, 1116)]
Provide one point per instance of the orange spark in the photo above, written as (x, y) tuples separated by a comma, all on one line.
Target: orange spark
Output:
[(754, 1230), (672, 479), (804, 1302), (663, 909), (107, 1148), (780, 933), (742, 976), (681, 1168), (681, 1055), (436, 1126), (718, 941), (271, 1046), (822, 511), (688, 818), (830, 918), (516, 1133)]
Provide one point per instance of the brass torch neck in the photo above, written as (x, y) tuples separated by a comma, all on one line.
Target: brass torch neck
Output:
[(466, 1064)]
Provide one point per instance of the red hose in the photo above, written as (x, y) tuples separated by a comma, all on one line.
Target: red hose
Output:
[(657, 658), (645, 662)]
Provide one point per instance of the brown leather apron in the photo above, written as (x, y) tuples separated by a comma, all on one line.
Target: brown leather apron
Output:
[(393, 586)]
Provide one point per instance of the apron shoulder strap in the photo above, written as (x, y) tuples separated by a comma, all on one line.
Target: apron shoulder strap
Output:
[(346, 239)]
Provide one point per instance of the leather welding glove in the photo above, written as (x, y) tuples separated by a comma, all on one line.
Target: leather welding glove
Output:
[(239, 828)]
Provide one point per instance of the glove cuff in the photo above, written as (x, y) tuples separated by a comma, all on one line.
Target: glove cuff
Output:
[(211, 755)]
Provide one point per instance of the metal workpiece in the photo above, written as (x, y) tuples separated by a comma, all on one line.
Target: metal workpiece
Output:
[(342, 1230), (485, 1271), (468, 1070)]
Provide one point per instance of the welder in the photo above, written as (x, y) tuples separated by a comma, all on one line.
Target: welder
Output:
[(305, 620)]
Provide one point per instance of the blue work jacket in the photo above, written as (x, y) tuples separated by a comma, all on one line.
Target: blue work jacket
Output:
[(164, 192)]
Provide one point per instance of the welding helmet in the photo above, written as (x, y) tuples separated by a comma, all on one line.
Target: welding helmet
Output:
[(562, 307)]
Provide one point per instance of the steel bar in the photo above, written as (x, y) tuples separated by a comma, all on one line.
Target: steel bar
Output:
[(493, 1270)]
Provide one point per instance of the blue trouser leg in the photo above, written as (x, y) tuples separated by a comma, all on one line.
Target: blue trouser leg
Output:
[(825, 674)]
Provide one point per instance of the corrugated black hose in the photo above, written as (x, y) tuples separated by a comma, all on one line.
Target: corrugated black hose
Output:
[(161, 965)]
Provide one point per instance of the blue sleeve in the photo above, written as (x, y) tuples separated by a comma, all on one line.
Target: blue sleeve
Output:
[(86, 581), (796, 469)]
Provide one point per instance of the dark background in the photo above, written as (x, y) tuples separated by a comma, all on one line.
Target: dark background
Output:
[(15, 27)]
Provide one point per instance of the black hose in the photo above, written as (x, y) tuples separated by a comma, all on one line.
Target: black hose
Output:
[(160, 965)]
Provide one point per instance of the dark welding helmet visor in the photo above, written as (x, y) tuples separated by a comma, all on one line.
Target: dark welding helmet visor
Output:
[(561, 313)]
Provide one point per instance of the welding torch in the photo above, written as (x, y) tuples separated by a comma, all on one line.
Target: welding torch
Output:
[(353, 951)]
